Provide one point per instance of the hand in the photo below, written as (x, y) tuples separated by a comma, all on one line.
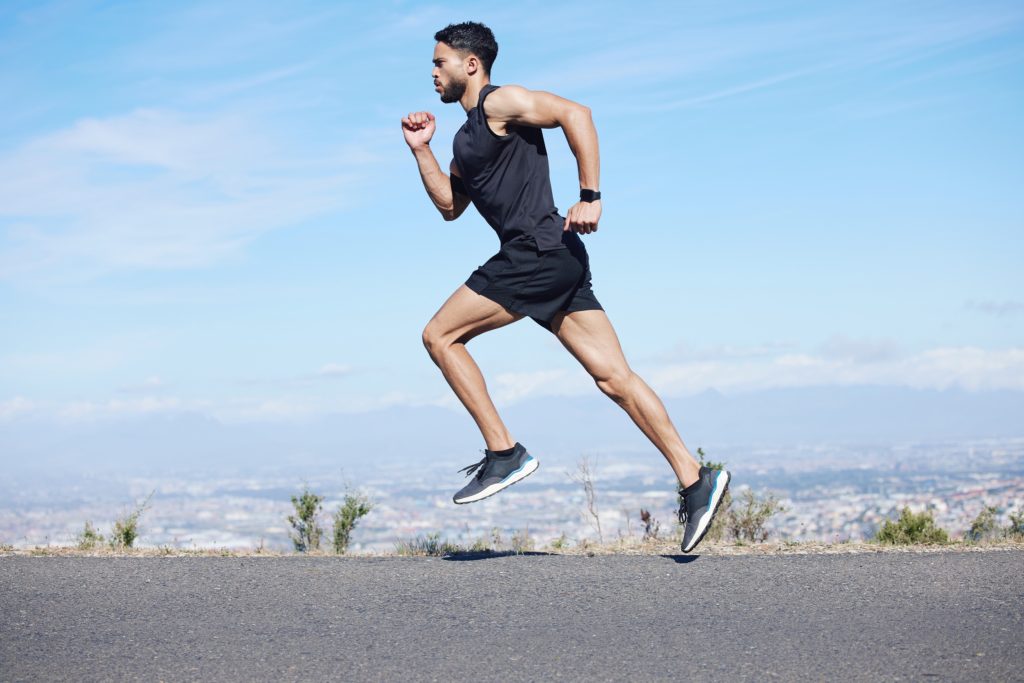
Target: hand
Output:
[(582, 217), (418, 128)]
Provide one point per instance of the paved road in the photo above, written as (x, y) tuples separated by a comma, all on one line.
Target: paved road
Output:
[(935, 616)]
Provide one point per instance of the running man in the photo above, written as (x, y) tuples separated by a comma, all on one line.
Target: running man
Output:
[(541, 270)]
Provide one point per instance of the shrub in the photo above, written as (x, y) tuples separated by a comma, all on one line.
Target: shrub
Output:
[(430, 545), (911, 528), (521, 542), (89, 537), (559, 543), (1016, 528), (307, 531), (748, 519), (355, 507), (126, 529), (984, 527)]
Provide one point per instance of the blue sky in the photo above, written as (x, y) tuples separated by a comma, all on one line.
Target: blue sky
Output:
[(209, 207)]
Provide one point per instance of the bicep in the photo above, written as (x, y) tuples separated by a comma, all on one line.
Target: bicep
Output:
[(538, 108)]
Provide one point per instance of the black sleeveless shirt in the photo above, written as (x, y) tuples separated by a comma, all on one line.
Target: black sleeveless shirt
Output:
[(507, 178)]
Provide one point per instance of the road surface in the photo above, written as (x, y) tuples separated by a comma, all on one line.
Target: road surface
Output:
[(873, 616)]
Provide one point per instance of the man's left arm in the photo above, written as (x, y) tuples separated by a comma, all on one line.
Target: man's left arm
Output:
[(516, 105)]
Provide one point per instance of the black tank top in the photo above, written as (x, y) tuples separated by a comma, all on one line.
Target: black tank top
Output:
[(507, 178)]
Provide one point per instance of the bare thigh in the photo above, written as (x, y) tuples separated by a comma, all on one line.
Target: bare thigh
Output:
[(465, 315), (591, 339)]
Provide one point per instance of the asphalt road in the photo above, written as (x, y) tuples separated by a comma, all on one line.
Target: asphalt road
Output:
[(888, 616)]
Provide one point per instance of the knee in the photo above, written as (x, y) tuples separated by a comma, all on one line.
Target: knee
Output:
[(616, 385), (431, 339)]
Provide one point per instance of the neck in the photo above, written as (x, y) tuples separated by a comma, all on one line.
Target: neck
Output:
[(472, 94)]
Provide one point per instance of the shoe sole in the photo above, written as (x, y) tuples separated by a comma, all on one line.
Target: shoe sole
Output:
[(714, 511), (523, 472)]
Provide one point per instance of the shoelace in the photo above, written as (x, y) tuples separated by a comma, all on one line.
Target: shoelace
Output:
[(682, 510), (477, 467)]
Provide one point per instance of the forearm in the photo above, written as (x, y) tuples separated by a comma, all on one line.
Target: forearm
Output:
[(436, 183), (581, 135)]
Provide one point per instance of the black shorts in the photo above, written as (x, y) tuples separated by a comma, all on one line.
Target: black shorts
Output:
[(537, 283)]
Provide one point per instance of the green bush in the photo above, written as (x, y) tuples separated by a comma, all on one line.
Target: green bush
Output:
[(985, 527), (307, 530), (559, 543), (355, 507), (522, 542), (89, 538), (430, 545), (1016, 528), (126, 529), (748, 519), (911, 528)]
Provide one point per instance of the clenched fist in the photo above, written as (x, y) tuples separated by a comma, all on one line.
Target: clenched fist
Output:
[(418, 128), (582, 217)]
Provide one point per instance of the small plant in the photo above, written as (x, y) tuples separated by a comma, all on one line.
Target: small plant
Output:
[(1016, 528), (89, 537), (560, 543), (521, 542), (585, 475), (126, 529), (985, 526), (747, 521), (355, 507), (911, 528), (307, 531), (430, 545), (481, 545), (651, 526)]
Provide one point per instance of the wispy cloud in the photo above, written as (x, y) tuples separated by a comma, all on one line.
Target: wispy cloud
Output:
[(996, 308), (155, 189)]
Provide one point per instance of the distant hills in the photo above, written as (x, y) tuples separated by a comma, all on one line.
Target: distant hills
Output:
[(570, 425)]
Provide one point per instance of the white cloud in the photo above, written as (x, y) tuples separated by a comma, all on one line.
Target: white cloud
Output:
[(967, 368), (155, 189), (996, 308), (15, 407), (153, 383), (734, 371)]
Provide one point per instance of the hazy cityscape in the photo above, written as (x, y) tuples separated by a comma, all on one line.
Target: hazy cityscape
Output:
[(831, 493)]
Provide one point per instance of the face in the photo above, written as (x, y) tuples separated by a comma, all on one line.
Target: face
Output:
[(449, 73)]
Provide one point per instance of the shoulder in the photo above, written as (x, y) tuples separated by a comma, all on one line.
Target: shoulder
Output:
[(507, 95)]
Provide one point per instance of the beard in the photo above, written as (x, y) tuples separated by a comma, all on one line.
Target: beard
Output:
[(453, 92)]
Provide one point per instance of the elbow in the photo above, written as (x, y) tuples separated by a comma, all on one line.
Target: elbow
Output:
[(582, 111), (448, 214), (579, 114)]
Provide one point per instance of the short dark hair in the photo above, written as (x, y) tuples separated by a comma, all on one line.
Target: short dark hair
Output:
[(470, 36)]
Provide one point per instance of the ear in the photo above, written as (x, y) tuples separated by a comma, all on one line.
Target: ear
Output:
[(472, 64)]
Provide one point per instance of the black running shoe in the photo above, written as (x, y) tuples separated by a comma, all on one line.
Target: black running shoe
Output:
[(698, 504), (496, 472)]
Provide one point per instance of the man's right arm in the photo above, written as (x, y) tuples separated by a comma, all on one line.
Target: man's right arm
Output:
[(418, 129)]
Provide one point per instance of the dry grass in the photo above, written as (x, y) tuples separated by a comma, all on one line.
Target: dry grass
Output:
[(590, 549)]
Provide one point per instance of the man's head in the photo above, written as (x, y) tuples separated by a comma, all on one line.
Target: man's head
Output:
[(463, 51)]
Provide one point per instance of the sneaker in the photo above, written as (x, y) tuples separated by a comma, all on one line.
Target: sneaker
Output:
[(496, 472), (698, 504)]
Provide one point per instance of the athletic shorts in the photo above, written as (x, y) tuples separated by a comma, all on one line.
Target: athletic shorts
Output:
[(537, 283)]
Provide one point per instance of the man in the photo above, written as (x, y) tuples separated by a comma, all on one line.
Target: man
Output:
[(542, 268)]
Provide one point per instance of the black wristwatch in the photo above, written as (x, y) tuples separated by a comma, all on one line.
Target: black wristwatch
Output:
[(589, 195)]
